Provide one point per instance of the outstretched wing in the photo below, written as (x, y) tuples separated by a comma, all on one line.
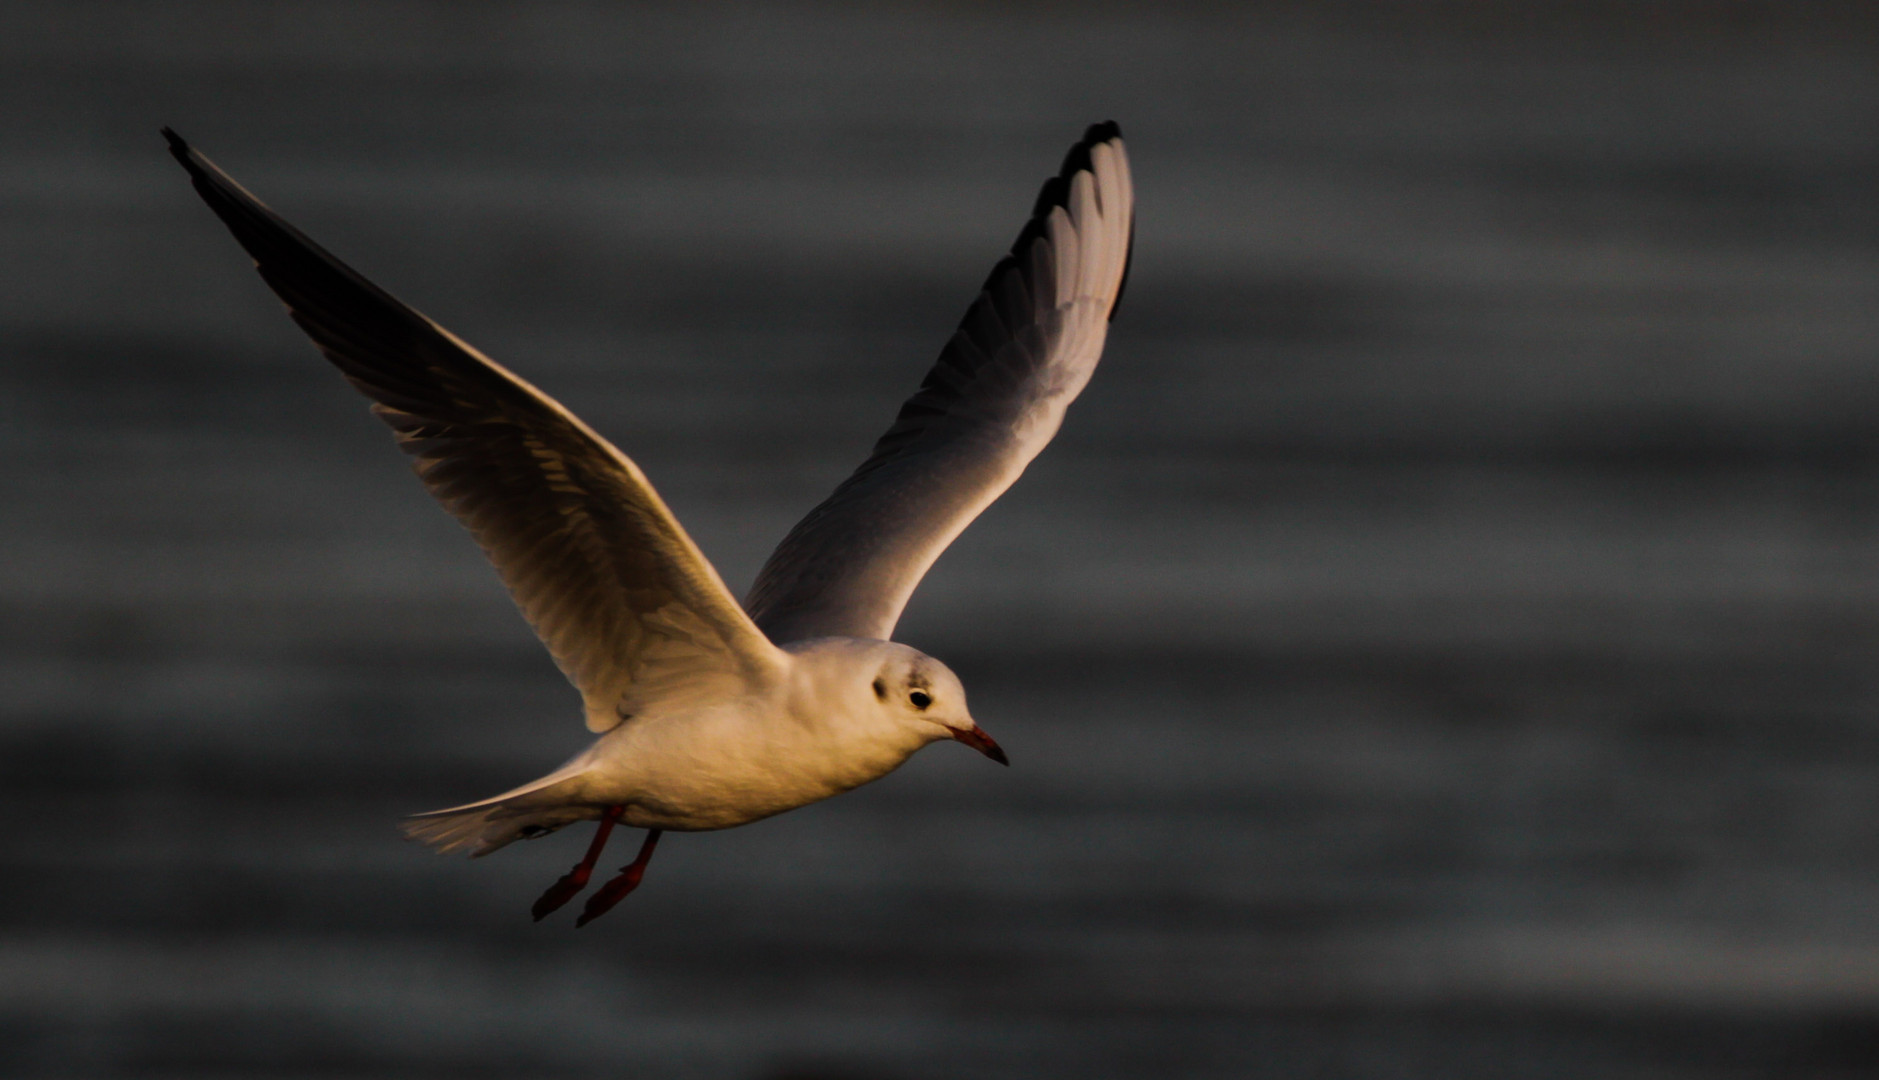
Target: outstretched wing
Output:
[(628, 605), (1024, 351)]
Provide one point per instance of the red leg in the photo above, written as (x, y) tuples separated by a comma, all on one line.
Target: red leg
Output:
[(575, 880), (615, 891)]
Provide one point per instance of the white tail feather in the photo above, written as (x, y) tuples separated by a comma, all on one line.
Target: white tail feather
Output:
[(534, 809)]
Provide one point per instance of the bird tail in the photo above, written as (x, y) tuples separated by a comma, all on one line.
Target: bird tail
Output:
[(534, 809)]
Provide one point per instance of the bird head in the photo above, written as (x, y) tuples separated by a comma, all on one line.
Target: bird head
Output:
[(921, 691)]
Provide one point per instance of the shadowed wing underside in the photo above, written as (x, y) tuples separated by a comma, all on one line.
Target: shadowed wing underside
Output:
[(626, 603), (1024, 351)]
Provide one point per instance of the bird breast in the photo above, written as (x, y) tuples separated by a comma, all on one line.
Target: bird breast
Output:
[(736, 762)]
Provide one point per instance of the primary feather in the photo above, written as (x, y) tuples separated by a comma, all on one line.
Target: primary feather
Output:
[(627, 604), (996, 396)]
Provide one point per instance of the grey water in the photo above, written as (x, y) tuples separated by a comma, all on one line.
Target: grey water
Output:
[(1441, 642)]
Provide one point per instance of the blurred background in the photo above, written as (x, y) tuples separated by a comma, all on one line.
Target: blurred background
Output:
[(1441, 642)]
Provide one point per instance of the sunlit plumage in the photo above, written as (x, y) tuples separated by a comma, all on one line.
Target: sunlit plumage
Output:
[(711, 714)]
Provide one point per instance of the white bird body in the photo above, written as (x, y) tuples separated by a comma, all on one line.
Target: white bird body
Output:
[(690, 766), (709, 713)]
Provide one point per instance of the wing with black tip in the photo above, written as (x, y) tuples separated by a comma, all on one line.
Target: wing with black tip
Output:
[(627, 604), (996, 396)]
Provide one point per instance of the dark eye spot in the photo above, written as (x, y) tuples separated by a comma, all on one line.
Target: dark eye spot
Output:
[(880, 689), (920, 699)]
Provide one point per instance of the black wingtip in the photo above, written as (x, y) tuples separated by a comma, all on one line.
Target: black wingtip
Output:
[(1057, 188), (179, 148), (1056, 192), (1078, 158), (207, 179), (187, 157), (1052, 194)]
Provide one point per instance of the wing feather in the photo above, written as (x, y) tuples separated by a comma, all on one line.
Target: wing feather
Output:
[(996, 396), (629, 607)]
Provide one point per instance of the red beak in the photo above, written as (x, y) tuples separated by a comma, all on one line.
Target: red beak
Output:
[(978, 740)]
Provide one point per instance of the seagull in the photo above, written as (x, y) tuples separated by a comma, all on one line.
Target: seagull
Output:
[(709, 714)]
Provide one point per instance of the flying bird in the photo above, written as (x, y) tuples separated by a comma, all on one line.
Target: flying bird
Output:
[(709, 714)]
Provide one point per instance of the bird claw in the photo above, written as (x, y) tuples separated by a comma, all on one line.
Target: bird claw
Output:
[(610, 894), (615, 891), (572, 882), (563, 890)]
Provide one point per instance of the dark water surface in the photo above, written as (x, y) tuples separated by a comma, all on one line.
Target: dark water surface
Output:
[(1441, 643)]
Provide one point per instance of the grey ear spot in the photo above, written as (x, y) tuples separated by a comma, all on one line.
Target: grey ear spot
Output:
[(880, 689)]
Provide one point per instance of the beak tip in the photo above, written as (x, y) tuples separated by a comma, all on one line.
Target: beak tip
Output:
[(978, 740)]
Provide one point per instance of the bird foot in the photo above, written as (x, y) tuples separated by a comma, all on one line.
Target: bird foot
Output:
[(563, 890), (572, 882), (612, 893), (615, 891)]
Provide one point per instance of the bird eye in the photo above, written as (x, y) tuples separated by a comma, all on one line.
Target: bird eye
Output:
[(920, 699)]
